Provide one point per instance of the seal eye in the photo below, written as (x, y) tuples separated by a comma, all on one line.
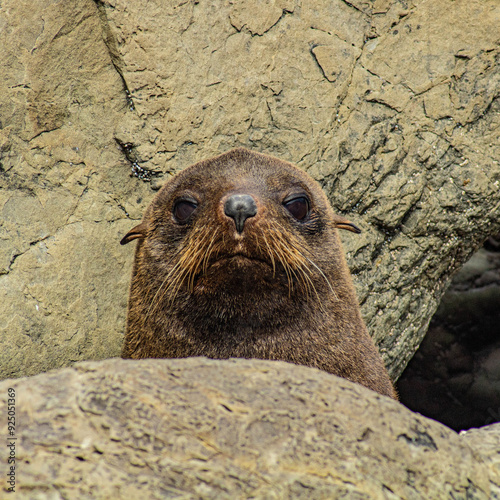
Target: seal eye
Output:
[(183, 210), (298, 207)]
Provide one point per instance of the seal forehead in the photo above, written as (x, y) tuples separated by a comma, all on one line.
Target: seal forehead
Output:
[(243, 169)]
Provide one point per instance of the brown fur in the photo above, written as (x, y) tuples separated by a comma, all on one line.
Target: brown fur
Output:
[(279, 290)]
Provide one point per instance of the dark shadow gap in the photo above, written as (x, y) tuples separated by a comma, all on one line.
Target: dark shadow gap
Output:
[(454, 377)]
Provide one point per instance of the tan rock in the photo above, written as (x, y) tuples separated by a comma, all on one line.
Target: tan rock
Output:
[(198, 428), (260, 16), (392, 106)]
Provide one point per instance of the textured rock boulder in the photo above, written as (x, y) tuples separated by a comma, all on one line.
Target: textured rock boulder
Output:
[(199, 428), (392, 105)]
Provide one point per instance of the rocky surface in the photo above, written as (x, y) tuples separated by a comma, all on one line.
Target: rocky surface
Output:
[(391, 105), (486, 441), (198, 428)]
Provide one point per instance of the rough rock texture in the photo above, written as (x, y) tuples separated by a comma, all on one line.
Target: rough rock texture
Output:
[(486, 442), (199, 428), (392, 105)]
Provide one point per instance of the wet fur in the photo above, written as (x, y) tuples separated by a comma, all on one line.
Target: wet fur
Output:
[(281, 290)]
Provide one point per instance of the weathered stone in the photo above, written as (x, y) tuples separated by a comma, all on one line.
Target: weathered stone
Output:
[(198, 428), (486, 442), (393, 106)]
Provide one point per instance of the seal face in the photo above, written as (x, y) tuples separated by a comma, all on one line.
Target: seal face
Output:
[(239, 256)]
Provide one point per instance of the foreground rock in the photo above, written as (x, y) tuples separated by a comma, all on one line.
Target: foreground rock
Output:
[(392, 105), (198, 428)]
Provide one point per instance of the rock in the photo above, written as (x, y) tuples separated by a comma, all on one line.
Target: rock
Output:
[(486, 442), (392, 106), (64, 189), (198, 428)]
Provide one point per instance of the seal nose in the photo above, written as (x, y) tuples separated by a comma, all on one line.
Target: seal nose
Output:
[(240, 207)]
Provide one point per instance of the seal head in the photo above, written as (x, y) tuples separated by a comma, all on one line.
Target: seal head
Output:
[(239, 256)]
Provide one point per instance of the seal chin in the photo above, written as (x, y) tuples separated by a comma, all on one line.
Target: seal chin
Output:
[(237, 275), (239, 258), (239, 262)]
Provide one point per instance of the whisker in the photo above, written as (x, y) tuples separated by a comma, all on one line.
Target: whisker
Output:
[(153, 305), (299, 259), (271, 256), (185, 268)]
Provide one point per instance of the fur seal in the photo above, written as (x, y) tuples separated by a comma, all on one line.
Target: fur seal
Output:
[(239, 256)]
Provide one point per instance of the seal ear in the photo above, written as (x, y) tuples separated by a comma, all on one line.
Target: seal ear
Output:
[(136, 232), (341, 223)]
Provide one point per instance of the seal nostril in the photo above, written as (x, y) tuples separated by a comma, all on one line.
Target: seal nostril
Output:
[(240, 207)]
